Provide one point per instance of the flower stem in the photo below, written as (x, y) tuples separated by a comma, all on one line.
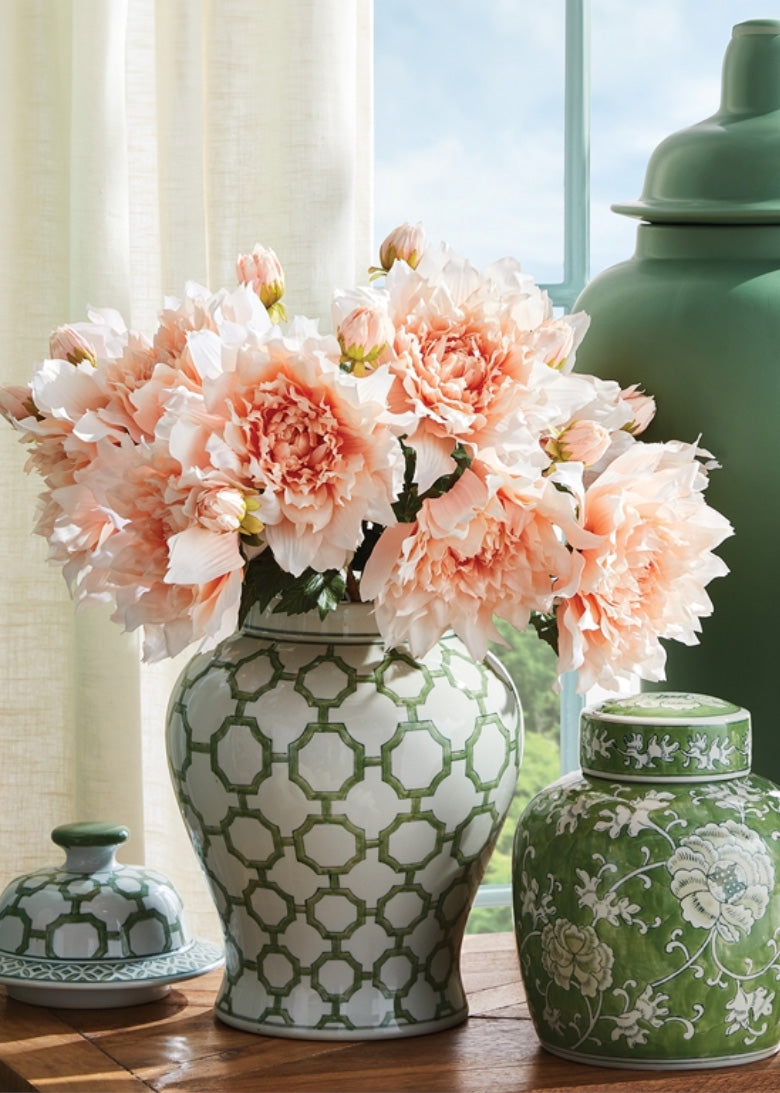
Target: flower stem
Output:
[(353, 587)]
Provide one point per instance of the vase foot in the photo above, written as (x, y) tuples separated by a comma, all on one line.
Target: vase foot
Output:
[(630, 1063), (382, 1032)]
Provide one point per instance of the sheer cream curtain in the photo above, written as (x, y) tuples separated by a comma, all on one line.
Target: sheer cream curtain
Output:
[(144, 143)]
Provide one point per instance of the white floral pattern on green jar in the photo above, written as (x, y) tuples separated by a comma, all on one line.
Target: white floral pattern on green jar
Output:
[(575, 958), (647, 898), (723, 877)]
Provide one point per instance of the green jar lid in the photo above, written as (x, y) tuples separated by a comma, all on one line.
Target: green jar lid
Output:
[(663, 736), (725, 169), (90, 833)]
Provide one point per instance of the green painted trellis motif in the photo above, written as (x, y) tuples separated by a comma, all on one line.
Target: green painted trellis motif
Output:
[(344, 801), (647, 909), (90, 908)]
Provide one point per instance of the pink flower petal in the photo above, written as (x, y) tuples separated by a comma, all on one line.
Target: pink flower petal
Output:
[(198, 556)]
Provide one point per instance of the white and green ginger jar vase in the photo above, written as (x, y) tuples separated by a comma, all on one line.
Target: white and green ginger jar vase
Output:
[(647, 891), (343, 801)]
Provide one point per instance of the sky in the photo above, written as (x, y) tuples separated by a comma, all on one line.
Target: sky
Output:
[(469, 115)]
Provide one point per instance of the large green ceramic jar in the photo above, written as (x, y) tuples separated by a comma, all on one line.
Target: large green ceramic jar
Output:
[(647, 891), (694, 317)]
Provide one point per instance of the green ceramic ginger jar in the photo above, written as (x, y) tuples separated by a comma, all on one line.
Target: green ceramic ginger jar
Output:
[(647, 891), (694, 318)]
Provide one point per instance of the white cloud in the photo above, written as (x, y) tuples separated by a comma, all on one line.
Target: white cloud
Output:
[(469, 115)]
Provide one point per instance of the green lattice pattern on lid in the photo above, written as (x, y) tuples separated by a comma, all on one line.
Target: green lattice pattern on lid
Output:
[(355, 840), (55, 914)]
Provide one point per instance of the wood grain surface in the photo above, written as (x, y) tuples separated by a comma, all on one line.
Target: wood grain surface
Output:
[(178, 1045)]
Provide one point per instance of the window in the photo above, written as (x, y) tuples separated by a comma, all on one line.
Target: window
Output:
[(509, 127)]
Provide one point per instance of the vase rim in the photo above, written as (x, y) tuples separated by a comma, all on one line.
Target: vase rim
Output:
[(353, 621)]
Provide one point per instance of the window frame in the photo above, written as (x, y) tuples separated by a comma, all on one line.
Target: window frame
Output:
[(576, 267)]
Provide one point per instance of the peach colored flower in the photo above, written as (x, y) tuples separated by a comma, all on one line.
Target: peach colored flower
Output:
[(19, 410), (197, 338), (170, 462), (642, 409), (645, 570), (405, 243), (102, 338), (490, 546), (467, 366), (315, 444), (582, 442), (67, 343), (179, 582), (363, 328), (263, 272), (556, 340)]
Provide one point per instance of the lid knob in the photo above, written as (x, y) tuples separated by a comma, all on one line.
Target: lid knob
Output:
[(90, 847)]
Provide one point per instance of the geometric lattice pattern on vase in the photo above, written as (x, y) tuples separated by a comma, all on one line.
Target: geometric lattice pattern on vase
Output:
[(344, 802)]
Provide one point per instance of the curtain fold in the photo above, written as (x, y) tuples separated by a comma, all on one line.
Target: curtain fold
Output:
[(144, 144)]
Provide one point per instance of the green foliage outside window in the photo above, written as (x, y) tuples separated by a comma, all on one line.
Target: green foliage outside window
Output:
[(531, 663)]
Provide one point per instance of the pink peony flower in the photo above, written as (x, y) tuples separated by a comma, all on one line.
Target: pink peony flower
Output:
[(263, 272), (66, 343), (645, 569), (447, 396), (556, 340), (19, 410), (313, 442), (102, 338), (468, 367), (490, 546), (582, 442), (642, 409), (181, 583), (404, 244), (363, 329)]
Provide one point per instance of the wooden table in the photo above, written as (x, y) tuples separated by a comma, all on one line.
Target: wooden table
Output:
[(177, 1045)]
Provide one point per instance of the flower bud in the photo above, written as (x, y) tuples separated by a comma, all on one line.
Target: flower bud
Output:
[(642, 407), (227, 509), (263, 272), (581, 442), (405, 244), (364, 335), (221, 508), (67, 344)]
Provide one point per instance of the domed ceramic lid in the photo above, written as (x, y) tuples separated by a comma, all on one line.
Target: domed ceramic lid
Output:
[(665, 735), (90, 907), (726, 169), (92, 925)]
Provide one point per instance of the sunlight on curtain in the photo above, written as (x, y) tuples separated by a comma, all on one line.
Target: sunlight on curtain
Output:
[(142, 144)]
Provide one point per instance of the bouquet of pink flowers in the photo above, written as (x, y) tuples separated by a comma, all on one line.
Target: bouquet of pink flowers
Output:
[(436, 455)]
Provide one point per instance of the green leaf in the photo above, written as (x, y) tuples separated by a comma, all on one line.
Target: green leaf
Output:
[(546, 626), (313, 590), (266, 581)]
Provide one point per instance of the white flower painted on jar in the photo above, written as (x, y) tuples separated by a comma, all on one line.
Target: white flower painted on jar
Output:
[(648, 1013), (575, 958), (723, 878), (746, 1009)]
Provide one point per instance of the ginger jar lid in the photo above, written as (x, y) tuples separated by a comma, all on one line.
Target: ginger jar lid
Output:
[(665, 736), (725, 169), (90, 908)]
